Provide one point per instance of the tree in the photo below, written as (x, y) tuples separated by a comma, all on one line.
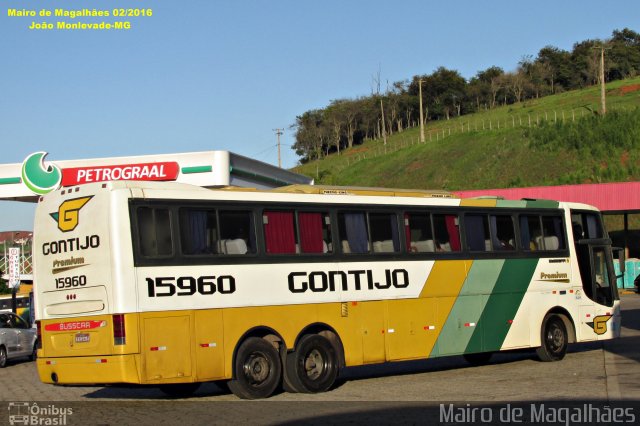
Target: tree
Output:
[(556, 67), (311, 134), (624, 55)]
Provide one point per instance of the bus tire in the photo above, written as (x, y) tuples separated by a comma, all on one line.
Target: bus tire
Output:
[(257, 369), (480, 358), (313, 366), (554, 339), (3, 357), (34, 352), (179, 390)]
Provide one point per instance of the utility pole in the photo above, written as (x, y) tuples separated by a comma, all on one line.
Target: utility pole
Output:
[(603, 103), (421, 116), (278, 133), (384, 131)]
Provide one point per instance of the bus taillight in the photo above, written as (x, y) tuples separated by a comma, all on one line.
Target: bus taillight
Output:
[(38, 335), (119, 333)]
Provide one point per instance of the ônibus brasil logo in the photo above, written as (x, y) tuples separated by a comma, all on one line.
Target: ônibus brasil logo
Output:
[(39, 178), (68, 214)]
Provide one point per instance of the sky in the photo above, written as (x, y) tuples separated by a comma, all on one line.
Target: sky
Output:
[(201, 75)]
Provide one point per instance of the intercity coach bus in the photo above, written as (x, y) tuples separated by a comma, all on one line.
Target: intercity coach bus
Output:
[(172, 285)]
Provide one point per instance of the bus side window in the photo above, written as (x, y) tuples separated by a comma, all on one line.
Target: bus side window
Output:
[(530, 233), (552, 233), (315, 232), (477, 232), (446, 228), (384, 232), (418, 233), (198, 231), (237, 232), (279, 232), (154, 227), (502, 232), (353, 232)]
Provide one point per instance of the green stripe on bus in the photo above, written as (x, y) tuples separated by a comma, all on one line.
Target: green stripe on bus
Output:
[(507, 295), (196, 169), (542, 204), (512, 204), (468, 308)]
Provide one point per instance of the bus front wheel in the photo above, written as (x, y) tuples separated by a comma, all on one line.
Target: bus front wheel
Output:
[(257, 369), (313, 366), (554, 339)]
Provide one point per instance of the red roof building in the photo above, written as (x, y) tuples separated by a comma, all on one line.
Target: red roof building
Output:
[(607, 197)]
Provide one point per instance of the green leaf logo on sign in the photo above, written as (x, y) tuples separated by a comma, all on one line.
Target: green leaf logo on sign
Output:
[(39, 178)]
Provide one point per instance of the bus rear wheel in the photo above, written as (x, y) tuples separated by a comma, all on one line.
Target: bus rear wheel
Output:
[(312, 367), (554, 339), (257, 369)]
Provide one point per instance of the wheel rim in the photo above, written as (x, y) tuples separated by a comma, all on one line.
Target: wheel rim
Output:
[(256, 368), (555, 338), (314, 364)]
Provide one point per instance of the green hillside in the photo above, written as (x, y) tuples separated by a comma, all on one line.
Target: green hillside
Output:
[(548, 141)]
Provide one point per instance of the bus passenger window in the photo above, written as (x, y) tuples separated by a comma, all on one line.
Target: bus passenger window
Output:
[(446, 228), (502, 232), (279, 232), (418, 233), (237, 232), (553, 233), (198, 232), (354, 237), (154, 227), (530, 233), (315, 232), (384, 232), (586, 225), (477, 232)]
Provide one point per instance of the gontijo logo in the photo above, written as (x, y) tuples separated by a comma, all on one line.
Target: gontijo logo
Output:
[(68, 214), (599, 324), (39, 178)]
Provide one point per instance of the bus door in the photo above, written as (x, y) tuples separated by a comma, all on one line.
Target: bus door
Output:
[(597, 308)]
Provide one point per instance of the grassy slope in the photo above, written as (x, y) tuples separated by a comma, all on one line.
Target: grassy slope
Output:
[(484, 158)]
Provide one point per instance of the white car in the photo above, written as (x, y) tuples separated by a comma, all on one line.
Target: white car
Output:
[(17, 339)]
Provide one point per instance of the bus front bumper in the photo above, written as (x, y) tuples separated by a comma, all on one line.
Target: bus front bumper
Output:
[(89, 370)]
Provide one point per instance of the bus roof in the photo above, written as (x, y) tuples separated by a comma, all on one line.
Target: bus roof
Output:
[(360, 190)]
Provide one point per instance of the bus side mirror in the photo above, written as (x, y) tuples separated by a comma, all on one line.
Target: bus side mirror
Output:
[(621, 259)]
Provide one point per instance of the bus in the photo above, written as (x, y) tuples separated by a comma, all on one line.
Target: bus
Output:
[(23, 305), (172, 285)]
